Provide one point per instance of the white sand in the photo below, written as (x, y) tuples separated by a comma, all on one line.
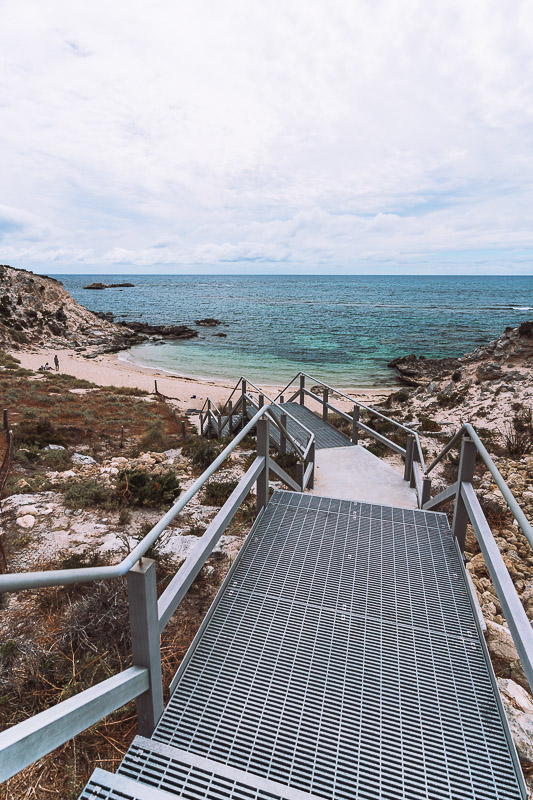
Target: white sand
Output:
[(109, 370)]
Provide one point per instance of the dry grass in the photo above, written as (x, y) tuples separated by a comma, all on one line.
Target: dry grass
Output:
[(74, 639)]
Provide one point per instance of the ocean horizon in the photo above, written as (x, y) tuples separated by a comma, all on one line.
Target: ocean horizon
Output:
[(343, 329)]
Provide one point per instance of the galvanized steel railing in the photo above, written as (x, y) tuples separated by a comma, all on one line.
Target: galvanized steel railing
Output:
[(24, 743)]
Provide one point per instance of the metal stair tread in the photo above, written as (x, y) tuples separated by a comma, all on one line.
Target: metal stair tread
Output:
[(182, 772), (103, 785)]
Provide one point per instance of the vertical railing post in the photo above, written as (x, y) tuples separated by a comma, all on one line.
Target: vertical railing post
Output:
[(408, 457), (5, 419), (414, 459), (302, 390), (300, 472), (144, 625), (262, 450), (261, 400), (426, 490), (325, 398), (243, 404), (311, 459), (230, 417), (282, 437), (282, 399), (467, 464), (355, 421)]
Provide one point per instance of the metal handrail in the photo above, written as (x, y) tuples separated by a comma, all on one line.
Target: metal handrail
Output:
[(468, 430), (364, 407), (33, 580)]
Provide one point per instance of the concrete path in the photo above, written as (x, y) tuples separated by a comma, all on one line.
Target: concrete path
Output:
[(352, 473)]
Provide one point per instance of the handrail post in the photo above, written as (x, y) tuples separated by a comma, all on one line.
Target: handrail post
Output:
[(300, 474), (467, 464), (261, 400), (5, 419), (325, 398), (144, 625), (302, 389), (355, 421), (263, 450), (409, 444), (414, 459), (281, 399), (201, 424), (243, 395), (230, 417), (282, 437), (311, 458), (426, 491)]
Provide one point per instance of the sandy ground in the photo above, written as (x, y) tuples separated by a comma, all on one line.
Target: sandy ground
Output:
[(190, 393)]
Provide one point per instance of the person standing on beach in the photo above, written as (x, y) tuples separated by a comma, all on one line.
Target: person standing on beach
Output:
[(56, 362)]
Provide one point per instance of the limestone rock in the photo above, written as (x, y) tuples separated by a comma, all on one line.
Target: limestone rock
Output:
[(79, 458), (515, 695), (521, 726), (27, 521), (500, 642)]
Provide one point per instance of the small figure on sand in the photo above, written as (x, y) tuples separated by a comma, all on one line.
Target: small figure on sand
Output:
[(56, 362), (46, 368)]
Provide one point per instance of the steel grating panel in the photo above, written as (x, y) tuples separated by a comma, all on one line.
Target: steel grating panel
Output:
[(325, 434), (343, 659), (185, 774)]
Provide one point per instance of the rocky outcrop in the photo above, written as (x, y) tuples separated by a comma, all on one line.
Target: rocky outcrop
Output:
[(416, 371), (513, 348), (208, 322), (109, 286), (161, 331), (38, 310)]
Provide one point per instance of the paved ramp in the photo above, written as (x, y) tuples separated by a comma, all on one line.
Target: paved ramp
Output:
[(341, 659), (347, 472)]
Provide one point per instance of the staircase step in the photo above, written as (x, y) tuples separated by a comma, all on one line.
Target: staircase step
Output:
[(181, 773), (103, 785)]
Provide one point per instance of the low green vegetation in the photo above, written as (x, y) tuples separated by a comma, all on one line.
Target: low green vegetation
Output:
[(201, 451), (215, 493), (140, 488)]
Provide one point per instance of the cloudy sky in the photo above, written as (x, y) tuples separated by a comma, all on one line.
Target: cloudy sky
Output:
[(361, 136)]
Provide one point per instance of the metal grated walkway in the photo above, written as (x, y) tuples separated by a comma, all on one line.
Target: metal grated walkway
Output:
[(325, 434), (341, 659)]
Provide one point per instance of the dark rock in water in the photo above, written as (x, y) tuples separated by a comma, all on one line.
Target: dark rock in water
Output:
[(208, 322), (162, 331), (415, 371), (222, 335), (104, 315), (109, 285)]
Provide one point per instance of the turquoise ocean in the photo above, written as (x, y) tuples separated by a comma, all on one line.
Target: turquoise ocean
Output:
[(343, 329)]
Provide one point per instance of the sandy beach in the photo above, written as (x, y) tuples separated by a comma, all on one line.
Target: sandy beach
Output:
[(189, 393)]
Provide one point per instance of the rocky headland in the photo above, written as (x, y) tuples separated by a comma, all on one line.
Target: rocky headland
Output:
[(37, 310)]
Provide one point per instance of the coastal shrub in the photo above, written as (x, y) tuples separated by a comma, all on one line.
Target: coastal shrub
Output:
[(202, 452), (126, 391), (428, 425), (216, 493), (68, 381), (140, 488), (340, 423), (58, 460), (87, 493), (288, 462), (38, 432), (154, 438), (518, 434)]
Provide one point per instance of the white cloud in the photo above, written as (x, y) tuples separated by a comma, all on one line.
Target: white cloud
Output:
[(348, 135)]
